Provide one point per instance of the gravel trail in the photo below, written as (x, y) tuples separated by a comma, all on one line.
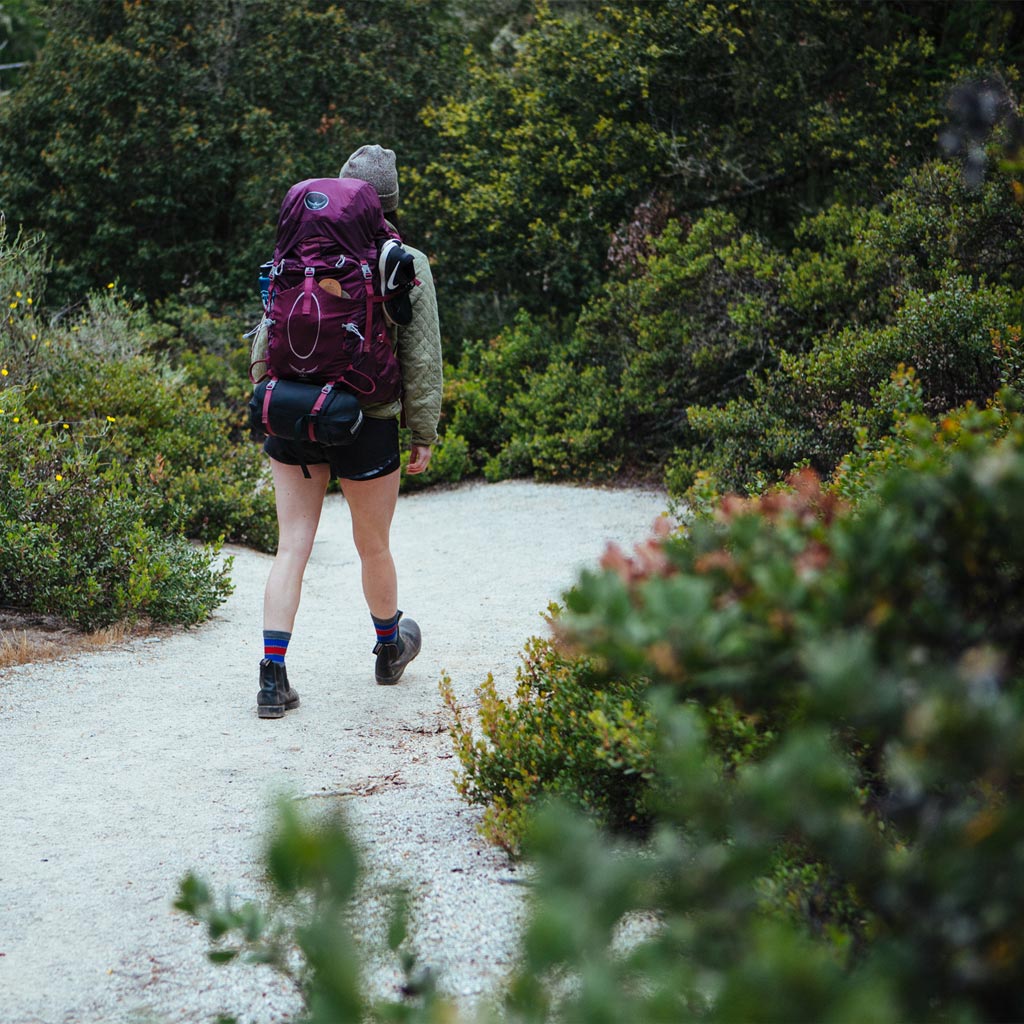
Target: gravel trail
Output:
[(121, 770)]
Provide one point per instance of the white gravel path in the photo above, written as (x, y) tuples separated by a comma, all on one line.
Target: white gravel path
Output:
[(120, 770)]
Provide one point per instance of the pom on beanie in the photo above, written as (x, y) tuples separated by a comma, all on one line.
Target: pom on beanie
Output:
[(377, 166)]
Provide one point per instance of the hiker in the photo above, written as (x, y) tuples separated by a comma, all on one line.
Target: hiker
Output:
[(368, 473)]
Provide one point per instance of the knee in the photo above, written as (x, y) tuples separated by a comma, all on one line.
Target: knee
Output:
[(294, 548), (372, 546)]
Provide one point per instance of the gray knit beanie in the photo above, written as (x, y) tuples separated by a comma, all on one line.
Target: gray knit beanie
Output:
[(377, 166)]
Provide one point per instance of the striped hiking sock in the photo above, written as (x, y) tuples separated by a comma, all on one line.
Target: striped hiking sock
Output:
[(275, 645), (387, 629)]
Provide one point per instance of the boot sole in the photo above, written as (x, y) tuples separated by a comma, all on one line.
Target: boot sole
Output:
[(270, 710)]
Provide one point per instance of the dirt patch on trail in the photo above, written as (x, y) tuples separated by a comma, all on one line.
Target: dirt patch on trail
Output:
[(27, 637)]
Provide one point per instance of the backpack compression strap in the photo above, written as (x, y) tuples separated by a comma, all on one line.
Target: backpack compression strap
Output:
[(307, 290), (268, 392), (368, 281), (315, 411)]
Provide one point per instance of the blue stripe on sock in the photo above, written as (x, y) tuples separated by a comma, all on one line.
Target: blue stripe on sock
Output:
[(387, 629), (275, 645)]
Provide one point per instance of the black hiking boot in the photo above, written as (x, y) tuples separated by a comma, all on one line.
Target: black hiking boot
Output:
[(276, 695), (392, 658), (291, 697)]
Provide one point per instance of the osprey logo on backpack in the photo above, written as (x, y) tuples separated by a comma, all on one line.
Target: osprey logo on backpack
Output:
[(325, 322)]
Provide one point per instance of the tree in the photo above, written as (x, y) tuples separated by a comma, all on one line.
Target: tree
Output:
[(153, 142), (772, 109)]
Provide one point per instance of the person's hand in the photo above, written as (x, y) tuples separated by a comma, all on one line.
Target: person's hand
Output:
[(419, 458)]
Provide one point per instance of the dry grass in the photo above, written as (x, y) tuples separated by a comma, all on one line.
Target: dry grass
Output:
[(32, 638)]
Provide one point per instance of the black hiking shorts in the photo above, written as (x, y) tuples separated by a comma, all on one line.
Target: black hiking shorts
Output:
[(372, 454)]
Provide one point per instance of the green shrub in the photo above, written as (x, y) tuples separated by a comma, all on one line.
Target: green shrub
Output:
[(79, 539), (812, 406), (565, 424), (488, 375), (702, 311), (108, 460), (854, 266), (885, 647), (104, 370), (923, 279), (612, 392), (565, 731), (157, 422)]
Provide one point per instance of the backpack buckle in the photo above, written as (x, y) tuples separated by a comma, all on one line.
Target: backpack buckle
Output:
[(307, 291)]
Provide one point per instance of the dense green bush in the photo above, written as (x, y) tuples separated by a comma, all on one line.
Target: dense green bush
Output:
[(926, 280), (488, 376), (566, 731), (884, 644), (564, 424), (104, 370), (685, 320), (810, 407), (167, 430), (711, 352), (549, 145), (85, 539), (109, 460)]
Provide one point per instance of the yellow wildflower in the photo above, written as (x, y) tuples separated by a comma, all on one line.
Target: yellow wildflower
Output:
[(59, 477), (29, 301), (111, 285), (17, 419), (3, 372), (111, 419)]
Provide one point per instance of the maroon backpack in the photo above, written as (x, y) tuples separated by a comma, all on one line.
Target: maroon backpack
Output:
[(323, 308)]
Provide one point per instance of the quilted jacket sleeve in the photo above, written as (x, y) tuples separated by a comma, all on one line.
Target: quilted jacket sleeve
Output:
[(419, 354)]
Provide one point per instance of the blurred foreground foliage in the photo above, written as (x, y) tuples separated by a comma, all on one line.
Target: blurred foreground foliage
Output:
[(306, 930)]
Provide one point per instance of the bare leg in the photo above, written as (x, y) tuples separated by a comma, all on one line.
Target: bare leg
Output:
[(299, 504), (372, 506)]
